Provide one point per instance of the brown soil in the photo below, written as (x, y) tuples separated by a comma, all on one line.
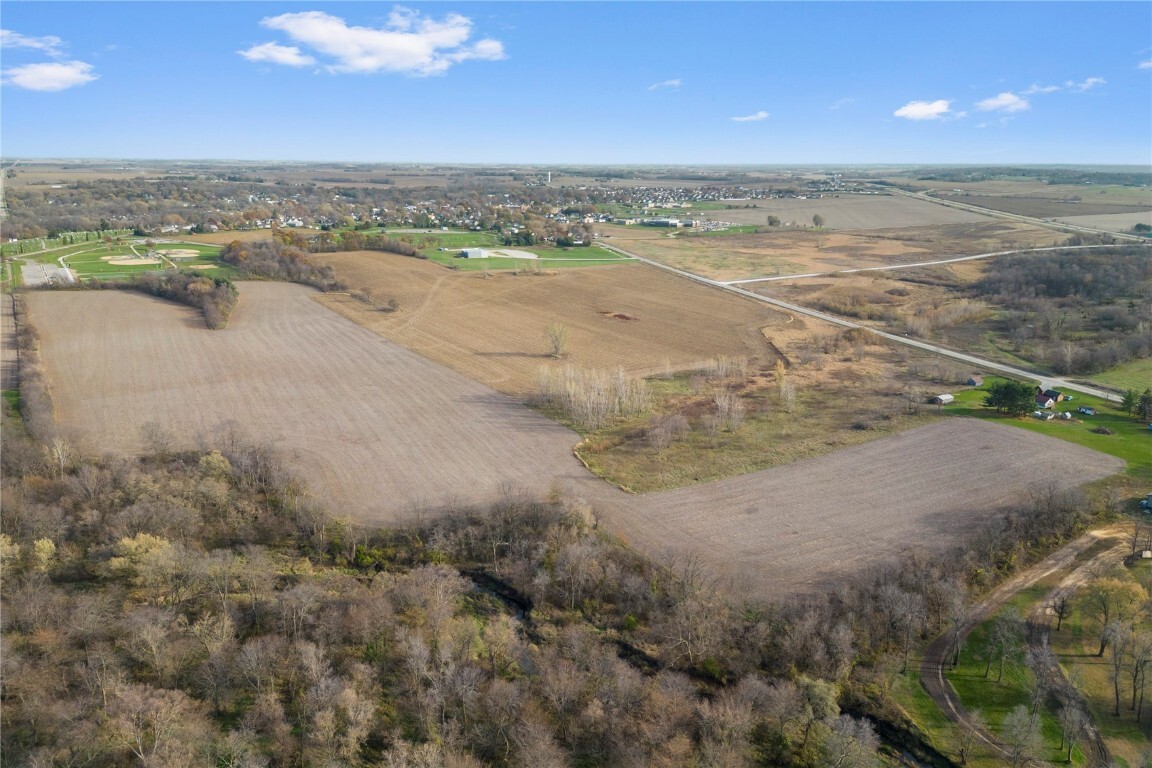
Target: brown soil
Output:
[(383, 434), (492, 328)]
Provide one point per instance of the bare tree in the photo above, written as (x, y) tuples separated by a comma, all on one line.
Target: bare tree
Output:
[(1021, 734), (1060, 603), (1072, 723), (969, 735), (557, 336)]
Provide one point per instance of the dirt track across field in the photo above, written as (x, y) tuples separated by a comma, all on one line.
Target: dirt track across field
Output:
[(385, 434)]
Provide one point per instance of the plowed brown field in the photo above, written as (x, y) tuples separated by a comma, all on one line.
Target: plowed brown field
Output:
[(370, 425), (492, 329), (799, 527), (382, 433)]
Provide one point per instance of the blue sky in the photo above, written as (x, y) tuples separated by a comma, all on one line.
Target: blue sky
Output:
[(580, 82)]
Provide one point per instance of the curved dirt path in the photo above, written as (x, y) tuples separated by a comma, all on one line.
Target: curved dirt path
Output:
[(934, 663)]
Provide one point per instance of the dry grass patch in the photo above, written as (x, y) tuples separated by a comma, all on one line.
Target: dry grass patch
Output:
[(783, 252)]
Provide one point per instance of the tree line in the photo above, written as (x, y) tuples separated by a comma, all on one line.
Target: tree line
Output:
[(1078, 311)]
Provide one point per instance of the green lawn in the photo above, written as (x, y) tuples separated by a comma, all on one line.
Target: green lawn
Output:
[(94, 263), (12, 398), (1132, 440), (1135, 375), (1076, 644), (996, 699)]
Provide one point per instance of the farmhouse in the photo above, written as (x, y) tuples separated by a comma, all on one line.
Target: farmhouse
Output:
[(1056, 395), (1044, 401), (942, 399), (975, 381)]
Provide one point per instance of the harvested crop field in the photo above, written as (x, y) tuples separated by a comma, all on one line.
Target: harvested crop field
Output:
[(1047, 207), (845, 212), (372, 427), (382, 434), (1114, 222), (800, 527), (784, 252), (492, 329)]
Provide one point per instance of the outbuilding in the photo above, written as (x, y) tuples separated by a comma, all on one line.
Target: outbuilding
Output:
[(942, 399), (474, 253)]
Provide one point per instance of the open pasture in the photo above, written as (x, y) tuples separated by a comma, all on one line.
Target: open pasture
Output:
[(492, 329), (784, 251), (376, 430), (846, 211)]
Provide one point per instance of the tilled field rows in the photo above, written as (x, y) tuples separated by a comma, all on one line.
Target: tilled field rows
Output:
[(382, 434), (373, 427)]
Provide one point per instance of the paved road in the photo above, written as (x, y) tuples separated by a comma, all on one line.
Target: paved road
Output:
[(1056, 225), (1047, 380), (890, 267), (37, 275)]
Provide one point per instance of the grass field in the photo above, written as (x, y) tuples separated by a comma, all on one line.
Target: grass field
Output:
[(107, 261), (1135, 375), (1076, 645), (996, 698)]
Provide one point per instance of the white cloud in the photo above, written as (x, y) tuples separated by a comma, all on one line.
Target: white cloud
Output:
[(409, 42), (761, 115), (1040, 89), (842, 103), (925, 110), (50, 76), (1146, 64), (49, 44), (288, 55), (665, 84), (1085, 85), (1004, 102)]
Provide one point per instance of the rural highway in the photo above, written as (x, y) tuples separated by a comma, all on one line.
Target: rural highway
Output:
[(1056, 225), (891, 267), (1047, 380)]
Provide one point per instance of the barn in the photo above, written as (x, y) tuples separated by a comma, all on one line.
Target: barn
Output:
[(942, 399)]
